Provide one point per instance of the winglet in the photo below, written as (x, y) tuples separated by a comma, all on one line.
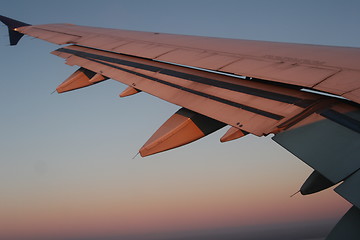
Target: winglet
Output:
[(12, 24)]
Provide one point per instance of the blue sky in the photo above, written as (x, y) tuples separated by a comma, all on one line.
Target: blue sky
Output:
[(68, 157)]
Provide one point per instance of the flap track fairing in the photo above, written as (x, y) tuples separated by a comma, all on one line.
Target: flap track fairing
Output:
[(79, 79), (184, 127), (315, 183)]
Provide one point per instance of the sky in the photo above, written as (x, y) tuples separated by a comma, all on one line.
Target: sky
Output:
[(66, 160)]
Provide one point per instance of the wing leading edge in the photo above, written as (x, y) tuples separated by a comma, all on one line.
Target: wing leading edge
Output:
[(261, 96)]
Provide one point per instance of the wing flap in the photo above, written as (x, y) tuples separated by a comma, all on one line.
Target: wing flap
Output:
[(193, 100), (255, 107)]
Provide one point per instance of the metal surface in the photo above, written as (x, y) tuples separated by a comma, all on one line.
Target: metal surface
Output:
[(348, 227), (129, 91), (298, 64), (183, 127), (252, 106), (315, 183), (349, 189), (326, 146), (79, 79), (232, 134)]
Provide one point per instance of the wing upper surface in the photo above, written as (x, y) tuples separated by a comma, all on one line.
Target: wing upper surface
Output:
[(325, 68)]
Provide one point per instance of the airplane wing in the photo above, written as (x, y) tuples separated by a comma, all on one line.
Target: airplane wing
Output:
[(307, 96)]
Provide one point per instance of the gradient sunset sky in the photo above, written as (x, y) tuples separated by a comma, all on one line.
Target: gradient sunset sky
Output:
[(66, 167)]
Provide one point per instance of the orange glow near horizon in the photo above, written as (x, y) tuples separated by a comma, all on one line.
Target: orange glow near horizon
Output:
[(174, 211), (160, 195)]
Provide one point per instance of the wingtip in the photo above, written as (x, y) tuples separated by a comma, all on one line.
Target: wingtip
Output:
[(12, 25)]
